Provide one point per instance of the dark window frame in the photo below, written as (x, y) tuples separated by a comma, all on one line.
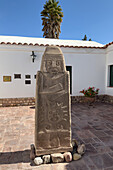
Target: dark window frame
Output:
[(27, 82), (35, 76), (27, 76), (17, 76)]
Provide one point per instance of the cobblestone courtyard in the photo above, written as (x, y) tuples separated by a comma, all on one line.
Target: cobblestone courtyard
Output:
[(92, 125)]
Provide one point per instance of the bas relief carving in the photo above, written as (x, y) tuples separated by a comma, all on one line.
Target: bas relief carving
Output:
[(52, 115)]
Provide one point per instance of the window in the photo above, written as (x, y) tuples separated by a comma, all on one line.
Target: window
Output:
[(69, 68), (111, 76), (6, 78), (17, 76), (27, 81), (27, 76), (34, 76)]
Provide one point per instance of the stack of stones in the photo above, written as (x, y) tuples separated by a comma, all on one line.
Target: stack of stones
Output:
[(76, 154)]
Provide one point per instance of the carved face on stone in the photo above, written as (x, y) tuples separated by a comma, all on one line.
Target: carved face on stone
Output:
[(52, 61), (53, 66)]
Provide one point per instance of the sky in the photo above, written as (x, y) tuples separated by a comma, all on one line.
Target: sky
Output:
[(91, 17)]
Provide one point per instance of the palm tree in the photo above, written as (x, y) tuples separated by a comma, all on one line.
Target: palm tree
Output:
[(52, 17)]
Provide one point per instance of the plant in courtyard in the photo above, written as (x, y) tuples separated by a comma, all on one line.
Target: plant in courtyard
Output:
[(90, 92), (51, 19)]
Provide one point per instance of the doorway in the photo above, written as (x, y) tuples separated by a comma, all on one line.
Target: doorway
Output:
[(69, 68)]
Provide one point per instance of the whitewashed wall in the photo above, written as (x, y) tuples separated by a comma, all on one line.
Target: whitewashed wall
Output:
[(88, 69), (109, 61)]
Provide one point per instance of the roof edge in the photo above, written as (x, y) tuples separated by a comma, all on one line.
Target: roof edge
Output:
[(7, 41), (108, 44), (36, 44)]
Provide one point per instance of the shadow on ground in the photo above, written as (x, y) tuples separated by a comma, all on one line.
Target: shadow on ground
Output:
[(32, 107), (76, 165), (15, 157)]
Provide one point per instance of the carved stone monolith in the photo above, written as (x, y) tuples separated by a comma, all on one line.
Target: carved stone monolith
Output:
[(53, 105)]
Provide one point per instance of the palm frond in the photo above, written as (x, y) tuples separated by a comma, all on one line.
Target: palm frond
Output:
[(51, 19)]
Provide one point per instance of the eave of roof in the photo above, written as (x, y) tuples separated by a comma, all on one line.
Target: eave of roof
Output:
[(45, 45), (108, 44), (15, 40)]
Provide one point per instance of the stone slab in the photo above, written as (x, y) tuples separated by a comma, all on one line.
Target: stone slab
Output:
[(53, 105)]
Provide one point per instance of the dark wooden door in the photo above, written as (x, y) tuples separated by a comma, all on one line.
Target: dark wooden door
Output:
[(111, 75), (69, 68)]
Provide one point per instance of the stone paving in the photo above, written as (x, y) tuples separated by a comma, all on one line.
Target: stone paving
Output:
[(92, 125)]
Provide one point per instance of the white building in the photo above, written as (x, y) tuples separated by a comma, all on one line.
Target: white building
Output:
[(91, 64)]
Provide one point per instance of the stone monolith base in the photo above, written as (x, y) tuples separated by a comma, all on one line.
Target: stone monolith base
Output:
[(53, 105)]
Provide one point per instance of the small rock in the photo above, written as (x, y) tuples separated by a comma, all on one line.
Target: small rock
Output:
[(68, 156), (57, 157), (38, 160), (46, 159), (81, 149), (32, 152), (76, 156)]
